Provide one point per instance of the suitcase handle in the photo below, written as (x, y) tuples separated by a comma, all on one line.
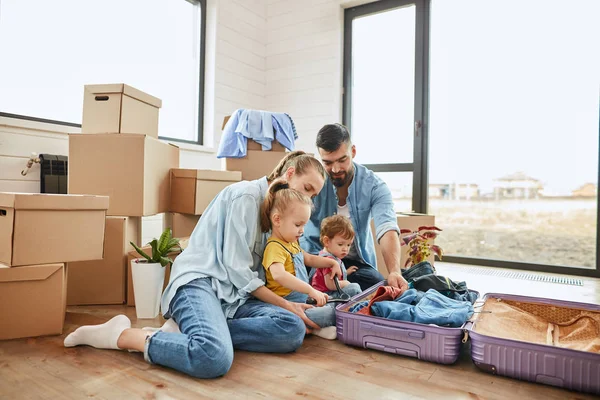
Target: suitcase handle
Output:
[(408, 333), (393, 350)]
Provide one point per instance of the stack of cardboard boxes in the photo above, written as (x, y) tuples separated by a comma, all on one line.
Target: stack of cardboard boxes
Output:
[(39, 233), (118, 155), (191, 192)]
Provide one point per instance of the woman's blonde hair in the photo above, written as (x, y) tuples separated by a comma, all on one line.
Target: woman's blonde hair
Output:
[(301, 162), (280, 197)]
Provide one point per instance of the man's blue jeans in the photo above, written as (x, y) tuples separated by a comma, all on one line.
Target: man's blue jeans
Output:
[(204, 348), (366, 276)]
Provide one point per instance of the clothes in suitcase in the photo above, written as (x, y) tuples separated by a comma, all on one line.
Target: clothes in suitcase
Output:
[(540, 340), (425, 342)]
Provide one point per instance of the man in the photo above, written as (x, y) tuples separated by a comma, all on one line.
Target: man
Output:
[(356, 192)]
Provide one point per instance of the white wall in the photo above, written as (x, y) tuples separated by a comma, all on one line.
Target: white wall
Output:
[(304, 63)]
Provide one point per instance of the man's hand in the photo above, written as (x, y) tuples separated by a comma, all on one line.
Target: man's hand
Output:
[(351, 270), (396, 279), (300, 310)]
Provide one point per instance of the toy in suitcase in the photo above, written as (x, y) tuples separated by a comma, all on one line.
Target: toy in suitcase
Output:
[(425, 342), (540, 340)]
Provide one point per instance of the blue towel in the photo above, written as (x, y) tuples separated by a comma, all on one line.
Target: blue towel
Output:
[(425, 308), (261, 126)]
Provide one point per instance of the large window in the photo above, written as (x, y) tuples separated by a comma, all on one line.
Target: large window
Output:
[(51, 49), (514, 129), (499, 133), (383, 60)]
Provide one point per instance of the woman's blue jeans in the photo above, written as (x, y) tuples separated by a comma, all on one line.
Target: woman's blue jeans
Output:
[(204, 348)]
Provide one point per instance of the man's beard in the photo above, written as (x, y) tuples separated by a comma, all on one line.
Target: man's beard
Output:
[(341, 181)]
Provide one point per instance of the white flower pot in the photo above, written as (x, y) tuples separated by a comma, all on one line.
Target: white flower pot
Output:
[(148, 281)]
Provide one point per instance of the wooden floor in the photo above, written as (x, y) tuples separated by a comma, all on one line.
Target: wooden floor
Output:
[(42, 368)]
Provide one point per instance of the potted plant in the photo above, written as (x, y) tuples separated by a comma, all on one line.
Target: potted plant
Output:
[(420, 244), (148, 274)]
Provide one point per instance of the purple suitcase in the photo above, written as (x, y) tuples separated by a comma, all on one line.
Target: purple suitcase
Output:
[(557, 366), (425, 342)]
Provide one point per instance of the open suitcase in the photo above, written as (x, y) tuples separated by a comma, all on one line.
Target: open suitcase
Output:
[(539, 340), (425, 342)]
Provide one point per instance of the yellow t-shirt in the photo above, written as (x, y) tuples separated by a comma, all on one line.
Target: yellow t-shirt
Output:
[(276, 253)]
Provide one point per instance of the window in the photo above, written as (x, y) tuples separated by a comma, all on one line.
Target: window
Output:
[(514, 130), (51, 49), (502, 146), (383, 89)]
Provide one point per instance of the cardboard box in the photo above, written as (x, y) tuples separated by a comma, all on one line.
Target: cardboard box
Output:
[(119, 108), (133, 170), (256, 164), (192, 190), (104, 281), (252, 145), (182, 225), (134, 255), (410, 221), (50, 228), (33, 300)]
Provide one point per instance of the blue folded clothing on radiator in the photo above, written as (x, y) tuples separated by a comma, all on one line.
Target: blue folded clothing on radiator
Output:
[(429, 307)]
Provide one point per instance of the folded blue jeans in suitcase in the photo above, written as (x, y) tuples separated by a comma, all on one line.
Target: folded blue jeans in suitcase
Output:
[(425, 308)]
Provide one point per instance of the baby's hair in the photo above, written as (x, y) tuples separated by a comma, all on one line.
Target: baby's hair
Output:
[(280, 197), (336, 225)]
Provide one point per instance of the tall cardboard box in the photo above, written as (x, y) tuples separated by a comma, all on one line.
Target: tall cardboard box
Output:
[(252, 145), (51, 228), (33, 300), (410, 221), (105, 281), (147, 249), (256, 164), (119, 108), (182, 225), (192, 190), (133, 170)]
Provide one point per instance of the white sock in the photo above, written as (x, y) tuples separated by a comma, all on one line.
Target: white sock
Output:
[(329, 333), (169, 326), (103, 336)]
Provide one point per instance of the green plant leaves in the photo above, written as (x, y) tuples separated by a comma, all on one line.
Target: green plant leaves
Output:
[(155, 252), (141, 252), (161, 248), (164, 261), (164, 240)]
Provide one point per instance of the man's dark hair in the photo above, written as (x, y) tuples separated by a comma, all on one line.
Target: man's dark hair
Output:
[(331, 137)]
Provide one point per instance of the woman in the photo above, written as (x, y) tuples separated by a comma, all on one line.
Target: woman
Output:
[(212, 282)]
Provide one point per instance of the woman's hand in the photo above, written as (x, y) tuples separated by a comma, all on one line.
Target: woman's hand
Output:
[(320, 297), (300, 310)]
